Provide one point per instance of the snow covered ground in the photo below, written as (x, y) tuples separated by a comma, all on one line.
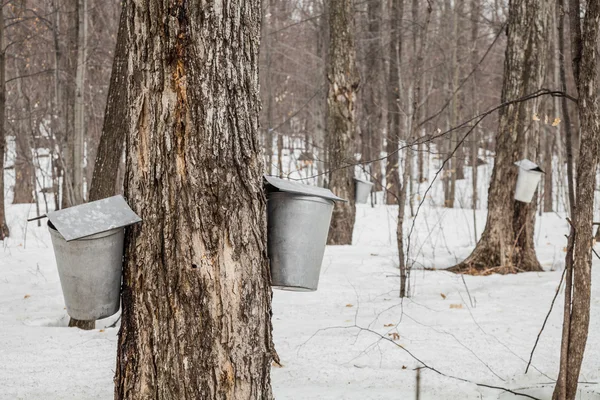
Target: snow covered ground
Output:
[(349, 340)]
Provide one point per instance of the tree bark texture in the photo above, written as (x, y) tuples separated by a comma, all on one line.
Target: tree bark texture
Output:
[(3, 226), (585, 67), (341, 124), (392, 177), (506, 244), (196, 284), (110, 149)]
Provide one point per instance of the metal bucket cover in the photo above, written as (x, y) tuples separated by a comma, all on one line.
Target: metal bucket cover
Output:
[(529, 165), (282, 185), (94, 217)]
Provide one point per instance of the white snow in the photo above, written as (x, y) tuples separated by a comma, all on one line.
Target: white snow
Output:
[(330, 341)]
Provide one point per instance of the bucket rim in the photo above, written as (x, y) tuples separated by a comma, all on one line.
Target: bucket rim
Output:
[(111, 232), (300, 197)]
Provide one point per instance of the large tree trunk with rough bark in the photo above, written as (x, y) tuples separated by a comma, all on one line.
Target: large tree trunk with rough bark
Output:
[(196, 291), (341, 124), (579, 254), (3, 226), (105, 180), (393, 103), (506, 244)]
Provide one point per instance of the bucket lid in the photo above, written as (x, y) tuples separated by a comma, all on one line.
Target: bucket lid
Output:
[(94, 217), (283, 185), (363, 181), (529, 165)]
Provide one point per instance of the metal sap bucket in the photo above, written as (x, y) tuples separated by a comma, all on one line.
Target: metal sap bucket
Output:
[(362, 190), (298, 218), (88, 246), (529, 177), (90, 272)]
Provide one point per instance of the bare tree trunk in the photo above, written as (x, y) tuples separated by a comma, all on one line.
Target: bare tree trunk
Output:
[(79, 103), (372, 126), (24, 168), (584, 50), (394, 104), (196, 293), (406, 176), (268, 40), (506, 245), (341, 123), (105, 180), (3, 226), (475, 10)]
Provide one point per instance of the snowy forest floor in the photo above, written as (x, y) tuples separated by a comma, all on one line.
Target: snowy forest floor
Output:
[(348, 340)]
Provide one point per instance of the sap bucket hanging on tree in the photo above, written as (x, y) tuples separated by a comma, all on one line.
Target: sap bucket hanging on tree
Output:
[(362, 190), (530, 175), (88, 246), (298, 218)]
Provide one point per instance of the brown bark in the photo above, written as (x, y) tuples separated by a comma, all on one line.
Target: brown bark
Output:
[(506, 245), (578, 317), (341, 124), (393, 103), (196, 293), (3, 226), (114, 128), (24, 168)]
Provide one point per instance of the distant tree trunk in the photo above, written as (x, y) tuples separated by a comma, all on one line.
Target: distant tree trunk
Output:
[(110, 149), (79, 103), (24, 168), (506, 245), (393, 103), (268, 86), (475, 10), (585, 55), (406, 175), (373, 118), (3, 226), (196, 291), (341, 123), (67, 86)]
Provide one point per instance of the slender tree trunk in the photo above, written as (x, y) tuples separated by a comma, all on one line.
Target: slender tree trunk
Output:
[(268, 43), (341, 123), (372, 126), (196, 293), (475, 10), (79, 103), (394, 104), (3, 226), (406, 176), (105, 180), (506, 245), (24, 168), (585, 54)]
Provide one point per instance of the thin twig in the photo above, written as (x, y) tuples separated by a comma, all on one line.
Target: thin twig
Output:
[(545, 320)]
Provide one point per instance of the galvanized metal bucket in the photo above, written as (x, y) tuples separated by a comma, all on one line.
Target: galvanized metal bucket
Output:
[(297, 234), (90, 272), (529, 177), (362, 190)]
